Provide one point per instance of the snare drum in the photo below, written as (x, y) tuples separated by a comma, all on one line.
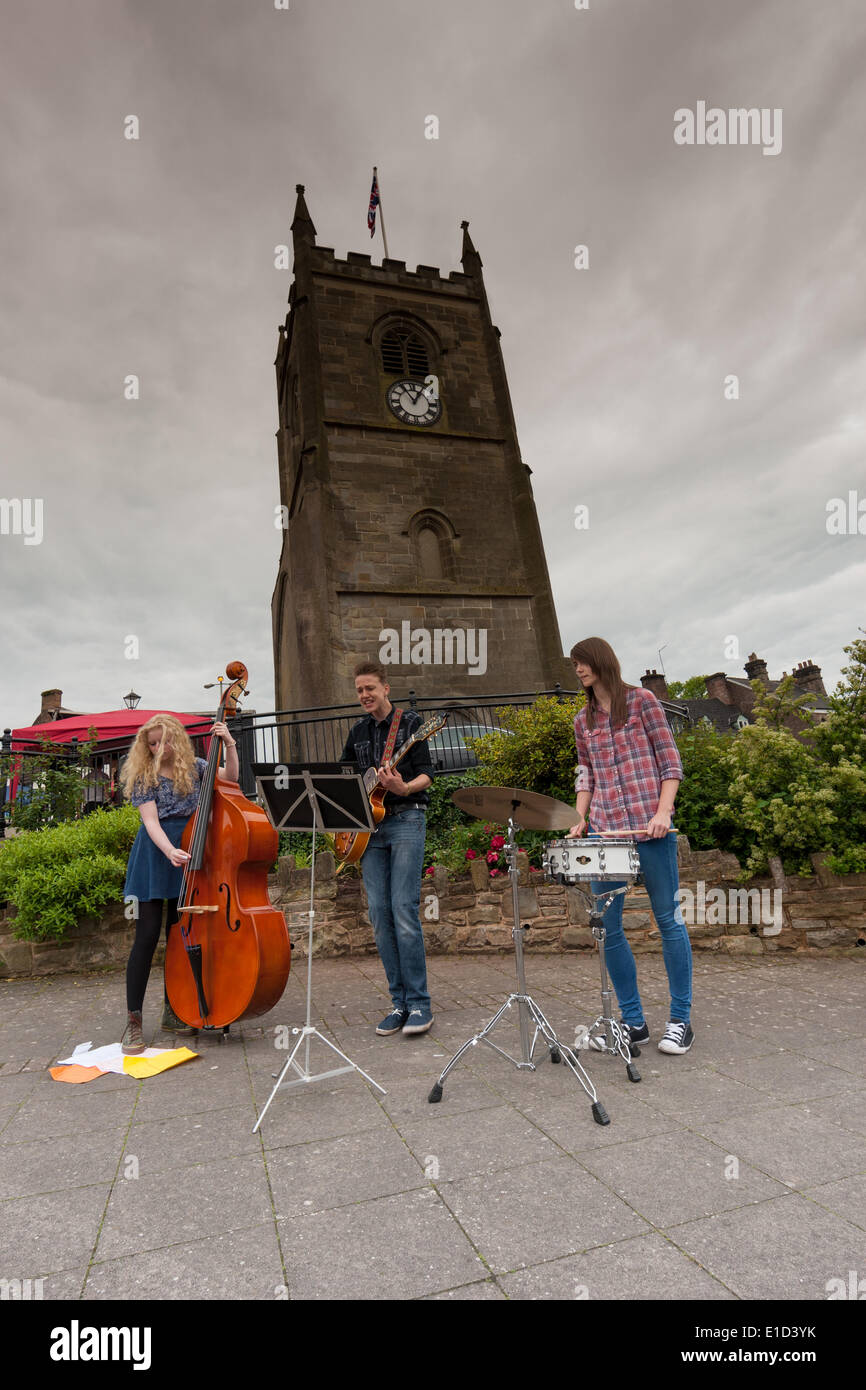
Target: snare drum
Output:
[(578, 861)]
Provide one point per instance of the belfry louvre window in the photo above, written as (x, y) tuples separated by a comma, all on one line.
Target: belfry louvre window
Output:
[(404, 354)]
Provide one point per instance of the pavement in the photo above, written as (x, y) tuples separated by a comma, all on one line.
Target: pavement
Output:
[(737, 1171)]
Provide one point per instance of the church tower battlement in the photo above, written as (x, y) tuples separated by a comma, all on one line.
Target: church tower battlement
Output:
[(408, 509)]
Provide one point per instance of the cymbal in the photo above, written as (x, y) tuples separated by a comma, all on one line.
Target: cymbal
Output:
[(530, 810)]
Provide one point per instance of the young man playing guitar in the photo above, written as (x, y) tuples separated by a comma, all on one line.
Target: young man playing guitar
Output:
[(394, 859)]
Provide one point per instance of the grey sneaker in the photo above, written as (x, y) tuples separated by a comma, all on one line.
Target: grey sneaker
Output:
[(132, 1041)]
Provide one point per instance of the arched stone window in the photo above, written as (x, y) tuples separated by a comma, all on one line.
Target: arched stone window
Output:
[(405, 346), (404, 353), (429, 553), (435, 543)]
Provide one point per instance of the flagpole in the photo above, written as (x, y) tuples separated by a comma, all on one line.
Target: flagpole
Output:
[(381, 215)]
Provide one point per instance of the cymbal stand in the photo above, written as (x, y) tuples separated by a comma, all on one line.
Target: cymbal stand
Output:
[(529, 1012), (605, 1034)]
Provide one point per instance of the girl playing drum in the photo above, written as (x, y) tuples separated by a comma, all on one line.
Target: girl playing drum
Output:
[(629, 769)]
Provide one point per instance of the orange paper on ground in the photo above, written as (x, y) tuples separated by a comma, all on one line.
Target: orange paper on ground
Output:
[(75, 1073)]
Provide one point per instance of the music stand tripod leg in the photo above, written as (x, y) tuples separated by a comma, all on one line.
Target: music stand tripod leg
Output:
[(308, 1032)]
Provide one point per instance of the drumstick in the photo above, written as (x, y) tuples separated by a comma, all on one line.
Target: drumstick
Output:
[(605, 834)]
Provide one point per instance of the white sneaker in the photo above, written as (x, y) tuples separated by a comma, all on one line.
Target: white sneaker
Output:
[(678, 1037)]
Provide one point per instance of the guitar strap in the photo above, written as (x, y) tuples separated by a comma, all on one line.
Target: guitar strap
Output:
[(392, 736)]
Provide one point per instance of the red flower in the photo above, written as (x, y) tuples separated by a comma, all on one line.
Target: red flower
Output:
[(492, 857), (430, 870), (493, 873), (470, 854), (497, 842)]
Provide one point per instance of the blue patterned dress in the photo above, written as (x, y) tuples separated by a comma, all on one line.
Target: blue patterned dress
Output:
[(149, 873)]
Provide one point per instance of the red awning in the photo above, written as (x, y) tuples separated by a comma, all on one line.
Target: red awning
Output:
[(112, 726)]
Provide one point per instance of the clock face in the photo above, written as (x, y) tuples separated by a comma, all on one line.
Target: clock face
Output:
[(411, 402)]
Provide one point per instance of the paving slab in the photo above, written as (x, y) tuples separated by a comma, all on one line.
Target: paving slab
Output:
[(846, 1109), (243, 1264), (50, 1231), (788, 1077), (26, 1169), (159, 1189), (522, 1215), (499, 1138), (789, 1145), (402, 1247), (644, 1267), (699, 1178), (150, 1211), (847, 1198), (337, 1172), (784, 1248)]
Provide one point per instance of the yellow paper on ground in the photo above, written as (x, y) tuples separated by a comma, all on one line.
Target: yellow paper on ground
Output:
[(150, 1066)]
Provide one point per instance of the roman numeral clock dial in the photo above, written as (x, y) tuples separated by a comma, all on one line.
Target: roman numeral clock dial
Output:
[(414, 403)]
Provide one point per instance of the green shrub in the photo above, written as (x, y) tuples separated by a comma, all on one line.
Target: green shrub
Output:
[(59, 874), (53, 898), (537, 753), (706, 779)]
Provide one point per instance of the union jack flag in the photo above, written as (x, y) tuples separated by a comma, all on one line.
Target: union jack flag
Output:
[(374, 203)]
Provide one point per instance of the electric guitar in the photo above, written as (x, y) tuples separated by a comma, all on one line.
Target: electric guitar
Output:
[(349, 845)]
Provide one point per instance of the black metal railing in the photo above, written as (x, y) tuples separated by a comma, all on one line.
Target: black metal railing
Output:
[(313, 735), (100, 769), (319, 734)]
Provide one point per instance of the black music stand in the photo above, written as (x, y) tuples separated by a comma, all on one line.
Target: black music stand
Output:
[(312, 797)]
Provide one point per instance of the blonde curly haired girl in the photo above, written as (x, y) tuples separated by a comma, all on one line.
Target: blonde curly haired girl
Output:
[(163, 778)]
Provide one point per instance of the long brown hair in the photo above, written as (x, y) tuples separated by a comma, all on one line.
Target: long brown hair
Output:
[(601, 656)]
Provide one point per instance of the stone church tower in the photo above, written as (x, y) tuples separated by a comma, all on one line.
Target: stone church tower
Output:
[(407, 509)]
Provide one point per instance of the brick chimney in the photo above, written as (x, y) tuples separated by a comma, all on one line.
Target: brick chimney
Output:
[(808, 677), (651, 680), (717, 688), (51, 702), (756, 669)]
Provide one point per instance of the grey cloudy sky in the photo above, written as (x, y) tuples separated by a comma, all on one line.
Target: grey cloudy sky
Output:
[(156, 257)]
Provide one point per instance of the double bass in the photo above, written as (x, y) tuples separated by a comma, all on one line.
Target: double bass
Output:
[(228, 956)]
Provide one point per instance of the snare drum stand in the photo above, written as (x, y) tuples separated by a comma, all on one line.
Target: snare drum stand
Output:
[(606, 1035), (528, 1012)]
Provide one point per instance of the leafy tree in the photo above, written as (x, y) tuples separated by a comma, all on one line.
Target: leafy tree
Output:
[(692, 689), (843, 732)]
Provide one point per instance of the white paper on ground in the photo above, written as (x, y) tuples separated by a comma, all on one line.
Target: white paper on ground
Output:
[(108, 1058)]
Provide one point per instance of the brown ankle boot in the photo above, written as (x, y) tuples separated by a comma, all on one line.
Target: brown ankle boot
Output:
[(132, 1041)]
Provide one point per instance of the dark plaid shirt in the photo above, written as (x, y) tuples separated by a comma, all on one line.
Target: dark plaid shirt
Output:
[(366, 744)]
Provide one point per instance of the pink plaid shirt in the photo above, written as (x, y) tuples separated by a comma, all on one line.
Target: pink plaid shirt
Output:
[(624, 768)]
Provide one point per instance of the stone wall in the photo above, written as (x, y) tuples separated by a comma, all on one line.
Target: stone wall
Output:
[(821, 915), (95, 943)]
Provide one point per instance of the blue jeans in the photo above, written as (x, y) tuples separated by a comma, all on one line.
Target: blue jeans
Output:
[(658, 860), (391, 868)]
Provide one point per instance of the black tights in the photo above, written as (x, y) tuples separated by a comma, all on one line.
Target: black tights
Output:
[(147, 930)]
